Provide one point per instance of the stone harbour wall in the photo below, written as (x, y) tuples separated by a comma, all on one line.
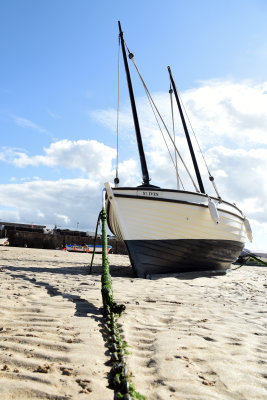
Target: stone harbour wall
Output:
[(57, 241)]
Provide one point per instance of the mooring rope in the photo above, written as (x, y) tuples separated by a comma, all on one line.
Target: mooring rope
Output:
[(118, 376), (96, 229), (247, 257)]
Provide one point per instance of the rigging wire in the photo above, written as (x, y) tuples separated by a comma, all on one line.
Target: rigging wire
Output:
[(116, 180), (211, 178), (151, 105), (147, 93), (173, 129), (156, 109)]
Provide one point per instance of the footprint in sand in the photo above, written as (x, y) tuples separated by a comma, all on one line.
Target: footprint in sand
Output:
[(44, 369), (85, 385)]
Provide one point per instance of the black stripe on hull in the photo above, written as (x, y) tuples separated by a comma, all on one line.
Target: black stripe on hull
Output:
[(181, 255)]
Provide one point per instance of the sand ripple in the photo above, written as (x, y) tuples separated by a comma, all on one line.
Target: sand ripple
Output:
[(193, 337), (50, 341), (189, 336)]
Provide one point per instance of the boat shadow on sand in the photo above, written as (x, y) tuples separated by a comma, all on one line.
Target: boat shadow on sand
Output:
[(82, 306), (116, 271), (125, 271), (128, 272), (189, 275)]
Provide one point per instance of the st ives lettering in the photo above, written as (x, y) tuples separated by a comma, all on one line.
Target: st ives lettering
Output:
[(150, 194)]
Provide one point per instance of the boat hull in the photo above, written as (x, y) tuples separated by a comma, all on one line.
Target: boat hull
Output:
[(184, 255), (168, 231)]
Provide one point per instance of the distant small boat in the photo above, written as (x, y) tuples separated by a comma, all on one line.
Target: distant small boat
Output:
[(86, 248), (4, 242)]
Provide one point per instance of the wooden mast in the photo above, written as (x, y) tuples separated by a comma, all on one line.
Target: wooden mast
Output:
[(144, 169), (199, 179)]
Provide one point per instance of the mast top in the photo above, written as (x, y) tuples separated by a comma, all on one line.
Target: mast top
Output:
[(142, 157), (121, 33)]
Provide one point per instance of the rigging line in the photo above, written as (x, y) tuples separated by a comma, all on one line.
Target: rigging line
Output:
[(151, 105), (173, 130), (116, 180), (211, 178), (193, 131), (192, 180), (155, 107)]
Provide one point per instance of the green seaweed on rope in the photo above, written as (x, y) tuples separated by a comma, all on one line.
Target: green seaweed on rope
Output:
[(118, 377)]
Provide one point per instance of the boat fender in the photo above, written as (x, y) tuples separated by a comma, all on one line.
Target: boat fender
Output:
[(213, 211), (248, 229)]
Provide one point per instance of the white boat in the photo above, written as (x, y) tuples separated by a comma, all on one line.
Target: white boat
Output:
[(167, 230)]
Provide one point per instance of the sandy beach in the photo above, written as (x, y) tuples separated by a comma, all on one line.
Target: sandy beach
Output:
[(189, 336)]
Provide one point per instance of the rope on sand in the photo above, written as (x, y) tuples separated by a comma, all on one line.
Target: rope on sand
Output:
[(250, 257), (118, 376)]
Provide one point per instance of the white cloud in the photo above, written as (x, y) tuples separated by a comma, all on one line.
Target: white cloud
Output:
[(128, 173), (62, 202), (245, 179), (223, 111), (26, 123), (89, 156), (53, 115), (108, 118), (66, 201), (62, 218), (259, 230), (14, 179)]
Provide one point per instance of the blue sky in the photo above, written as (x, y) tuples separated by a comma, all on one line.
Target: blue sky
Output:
[(58, 96)]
